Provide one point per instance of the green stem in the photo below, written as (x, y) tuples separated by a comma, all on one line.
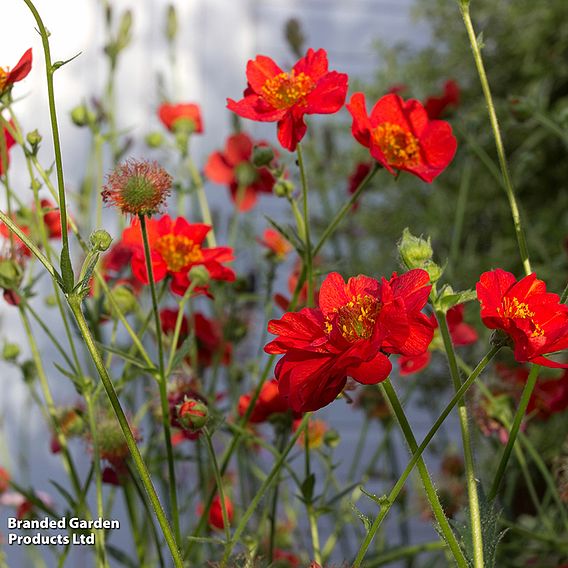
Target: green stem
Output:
[(416, 456), (66, 267), (403, 552), (429, 488), (521, 410), (464, 8), (345, 209), (162, 382), (308, 253), (280, 442), (75, 305), (262, 490), (471, 481), (203, 203)]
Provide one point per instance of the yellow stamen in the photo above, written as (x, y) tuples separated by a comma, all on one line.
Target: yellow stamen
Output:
[(399, 146), (178, 251), (287, 89)]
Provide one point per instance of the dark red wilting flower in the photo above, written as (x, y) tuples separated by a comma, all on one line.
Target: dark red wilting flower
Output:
[(268, 404), (277, 246), (400, 136), (215, 518), (274, 95), (9, 141), (138, 187), (234, 168), (4, 480), (208, 334), (19, 72), (361, 171), (350, 334), (462, 334), (176, 246), (181, 115), (550, 395), (436, 106), (534, 319)]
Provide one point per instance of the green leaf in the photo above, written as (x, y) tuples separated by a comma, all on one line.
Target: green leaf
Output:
[(288, 233), (119, 555), (308, 488), (129, 358), (448, 298)]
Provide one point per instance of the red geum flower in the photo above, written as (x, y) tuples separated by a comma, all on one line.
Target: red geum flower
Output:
[(174, 116), (176, 246), (316, 431), (550, 395), (216, 512), (435, 106), (400, 136), (534, 319), (274, 95), (349, 335), (51, 219), (9, 141), (4, 480), (278, 247), (20, 71), (269, 403), (234, 167)]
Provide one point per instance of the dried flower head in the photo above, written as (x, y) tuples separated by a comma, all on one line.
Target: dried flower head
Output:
[(138, 187)]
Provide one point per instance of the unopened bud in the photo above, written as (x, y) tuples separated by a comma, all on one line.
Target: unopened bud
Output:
[(294, 36), (171, 23), (331, 438), (34, 138), (100, 240), (29, 371), (246, 174), (124, 35), (124, 299), (154, 139), (192, 414), (199, 275), (262, 156), (11, 274), (82, 116), (283, 188), (11, 351), (414, 252)]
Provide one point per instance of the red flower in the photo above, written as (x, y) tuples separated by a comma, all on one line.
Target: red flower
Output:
[(411, 365), (400, 136), (274, 95), (51, 218), (174, 115), (4, 480), (216, 512), (549, 396), (361, 171), (20, 71), (269, 403), (9, 143), (176, 246), (435, 106), (278, 247), (234, 167), (534, 319), (283, 302), (350, 333)]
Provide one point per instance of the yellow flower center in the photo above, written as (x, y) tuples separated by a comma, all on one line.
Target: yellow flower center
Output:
[(286, 89), (512, 308), (178, 251), (355, 320), (399, 146), (3, 77)]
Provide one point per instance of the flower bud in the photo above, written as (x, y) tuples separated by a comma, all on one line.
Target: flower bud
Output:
[(124, 35), (192, 414), (34, 138), (11, 351), (171, 23), (246, 174), (283, 188), (199, 275), (434, 271), (294, 36), (82, 116), (414, 252), (11, 274), (331, 438), (154, 139), (29, 371), (100, 240), (124, 298), (262, 156)]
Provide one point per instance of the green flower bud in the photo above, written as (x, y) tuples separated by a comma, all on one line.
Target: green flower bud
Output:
[(34, 138), (199, 275), (331, 438), (294, 36), (50, 301), (283, 188), (124, 35), (154, 139), (29, 371), (124, 298), (246, 174), (262, 156), (11, 351), (435, 272), (11, 274), (414, 252), (171, 23), (82, 116), (100, 240)]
